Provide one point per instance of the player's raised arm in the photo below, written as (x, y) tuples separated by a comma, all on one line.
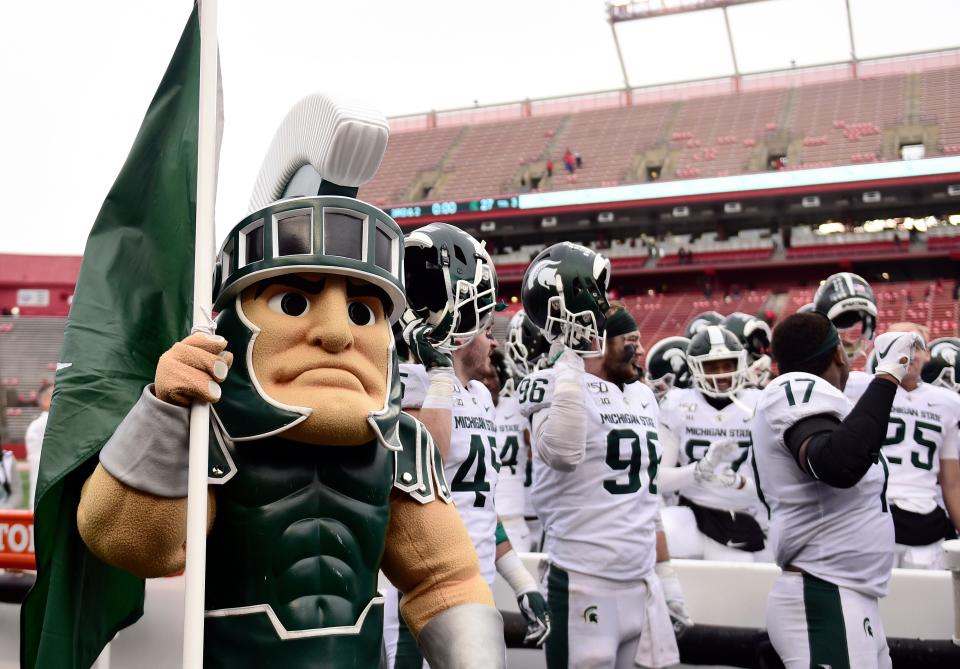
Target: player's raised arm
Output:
[(839, 452)]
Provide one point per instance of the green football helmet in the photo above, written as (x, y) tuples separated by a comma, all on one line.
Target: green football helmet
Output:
[(564, 293), (752, 332), (526, 348), (667, 366), (715, 344), (848, 301), (699, 323), (941, 369), (451, 283)]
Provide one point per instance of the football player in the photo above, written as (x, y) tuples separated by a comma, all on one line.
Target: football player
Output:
[(452, 291), (513, 446), (594, 434), (921, 448), (820, 470), (666, 366), (704, 428), (526, 352), (696, 324), (847, 300), (941, 369), (754, 334)]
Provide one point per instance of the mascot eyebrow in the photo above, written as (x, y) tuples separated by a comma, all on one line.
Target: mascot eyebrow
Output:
[(361, 289)]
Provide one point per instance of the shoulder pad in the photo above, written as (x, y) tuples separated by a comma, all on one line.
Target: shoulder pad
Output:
[(792, 397), (419, 470), (535, 392)]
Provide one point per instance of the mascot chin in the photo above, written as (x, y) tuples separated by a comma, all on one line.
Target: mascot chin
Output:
[(317, 480)]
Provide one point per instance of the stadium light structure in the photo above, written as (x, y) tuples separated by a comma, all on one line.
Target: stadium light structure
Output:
[(619, 11)]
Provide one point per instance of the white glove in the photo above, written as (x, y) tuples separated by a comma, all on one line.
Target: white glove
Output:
[(673, 593), (714, 468), (894, 352), (759, 371)]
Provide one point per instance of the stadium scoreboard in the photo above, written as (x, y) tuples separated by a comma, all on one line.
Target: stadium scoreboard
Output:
[(453, 207)]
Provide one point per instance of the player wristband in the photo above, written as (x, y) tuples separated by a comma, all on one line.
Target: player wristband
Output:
[(511, 568), (440, 393)]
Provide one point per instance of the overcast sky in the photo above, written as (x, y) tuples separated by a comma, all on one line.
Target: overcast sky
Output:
[(76, 77)]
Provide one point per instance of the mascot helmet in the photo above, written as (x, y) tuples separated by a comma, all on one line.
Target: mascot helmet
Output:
[(306, 218)]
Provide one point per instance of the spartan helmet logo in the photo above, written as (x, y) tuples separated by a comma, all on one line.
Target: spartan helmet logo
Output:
[(590, 615), (867, 627), (544, 273), (699, 325), (676, 358), (947, 351)]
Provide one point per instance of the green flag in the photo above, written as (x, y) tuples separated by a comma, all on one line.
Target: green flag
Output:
[(133, 301)]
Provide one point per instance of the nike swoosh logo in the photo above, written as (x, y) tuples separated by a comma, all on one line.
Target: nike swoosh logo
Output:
[(883, 354), (644, 405), (737, 544)]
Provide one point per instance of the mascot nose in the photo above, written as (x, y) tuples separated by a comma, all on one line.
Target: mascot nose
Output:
[(331, 328)]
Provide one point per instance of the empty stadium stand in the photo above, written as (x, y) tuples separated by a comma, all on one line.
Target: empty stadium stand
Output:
[(836, 120)]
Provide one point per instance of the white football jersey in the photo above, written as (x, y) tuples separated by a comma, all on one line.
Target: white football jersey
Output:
[(844, 536), (921, 432), (514, 454), (599, 519), (472, 465), (696, 425), (857, 382)]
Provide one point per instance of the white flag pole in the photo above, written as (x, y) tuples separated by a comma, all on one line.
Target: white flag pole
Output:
[(202, 307)]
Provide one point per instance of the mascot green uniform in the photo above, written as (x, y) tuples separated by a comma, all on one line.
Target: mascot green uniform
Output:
[(317, 480)]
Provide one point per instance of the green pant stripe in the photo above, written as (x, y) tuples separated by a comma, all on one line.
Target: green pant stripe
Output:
[(558, 600), (825, 628), (408, 654)]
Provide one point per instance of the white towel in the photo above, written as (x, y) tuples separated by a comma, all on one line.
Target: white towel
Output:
[(658, 645)]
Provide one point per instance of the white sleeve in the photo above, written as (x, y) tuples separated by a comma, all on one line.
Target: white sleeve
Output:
[(671, 478), (34, 442), (415, 383), (950, 450), (560, 429)]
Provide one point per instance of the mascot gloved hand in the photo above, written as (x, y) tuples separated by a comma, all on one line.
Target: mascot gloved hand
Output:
[(316, 481)]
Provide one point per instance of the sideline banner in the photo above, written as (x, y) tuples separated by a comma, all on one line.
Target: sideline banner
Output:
[(16, 540)]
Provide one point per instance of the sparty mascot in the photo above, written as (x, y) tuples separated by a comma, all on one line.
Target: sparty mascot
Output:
[(317, 481)]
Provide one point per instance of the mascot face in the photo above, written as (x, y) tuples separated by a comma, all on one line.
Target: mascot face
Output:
[(324, 344)]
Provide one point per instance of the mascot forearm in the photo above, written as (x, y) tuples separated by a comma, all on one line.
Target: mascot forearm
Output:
[(133, 515)]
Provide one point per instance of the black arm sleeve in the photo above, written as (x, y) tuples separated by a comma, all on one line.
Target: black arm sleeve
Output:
[(840, 453)]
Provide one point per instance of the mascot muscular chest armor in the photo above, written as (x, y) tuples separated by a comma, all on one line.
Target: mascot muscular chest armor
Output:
[(317, 480)]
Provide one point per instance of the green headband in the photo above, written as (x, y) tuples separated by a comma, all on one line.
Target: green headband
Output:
[(620, 323), (830, 342)]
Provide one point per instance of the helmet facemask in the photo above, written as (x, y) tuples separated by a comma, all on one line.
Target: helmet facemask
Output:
[(710, 383), (472, 308), (578, 331)]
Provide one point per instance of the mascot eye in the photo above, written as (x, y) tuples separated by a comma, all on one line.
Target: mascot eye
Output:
[(291, 304), (360, 314)]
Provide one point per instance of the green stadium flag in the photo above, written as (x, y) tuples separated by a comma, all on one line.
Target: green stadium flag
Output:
[(133, 301)]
